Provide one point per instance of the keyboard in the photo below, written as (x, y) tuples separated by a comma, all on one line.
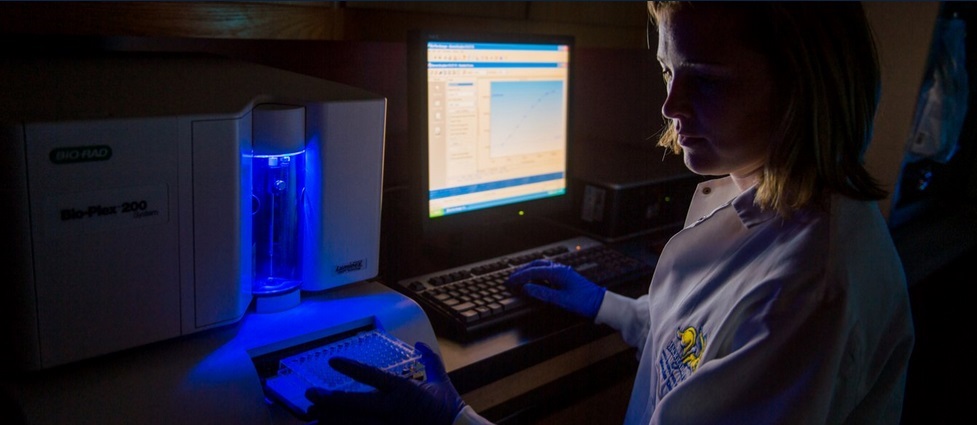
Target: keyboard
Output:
[(471, 298)]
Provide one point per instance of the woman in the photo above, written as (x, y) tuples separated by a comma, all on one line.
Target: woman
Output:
[(783, 299)]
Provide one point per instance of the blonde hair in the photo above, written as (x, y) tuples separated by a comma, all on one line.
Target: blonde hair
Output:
[(825, 63)]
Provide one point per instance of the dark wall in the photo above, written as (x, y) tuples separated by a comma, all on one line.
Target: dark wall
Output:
[(617, 92)]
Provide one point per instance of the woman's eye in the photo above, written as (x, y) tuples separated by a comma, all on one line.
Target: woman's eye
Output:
[(666, 75)]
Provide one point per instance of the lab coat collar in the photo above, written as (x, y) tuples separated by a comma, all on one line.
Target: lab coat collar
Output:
[(748, 211)]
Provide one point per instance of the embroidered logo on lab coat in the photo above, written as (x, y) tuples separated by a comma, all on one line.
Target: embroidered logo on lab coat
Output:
[(680, 358)]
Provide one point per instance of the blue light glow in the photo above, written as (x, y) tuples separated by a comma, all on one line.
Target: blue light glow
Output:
[(278, 184)]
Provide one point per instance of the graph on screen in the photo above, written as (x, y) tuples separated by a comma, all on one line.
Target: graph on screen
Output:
[(527, 117)]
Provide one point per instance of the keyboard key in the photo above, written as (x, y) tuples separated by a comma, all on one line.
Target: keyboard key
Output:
[(488, 268), (463, 306), (468, 316), (512, 303)]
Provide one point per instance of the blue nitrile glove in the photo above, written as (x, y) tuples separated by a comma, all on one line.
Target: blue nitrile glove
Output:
[(397, 400), (560, 285)]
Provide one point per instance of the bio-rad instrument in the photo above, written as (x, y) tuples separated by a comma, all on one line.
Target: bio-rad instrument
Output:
[(183, 229)]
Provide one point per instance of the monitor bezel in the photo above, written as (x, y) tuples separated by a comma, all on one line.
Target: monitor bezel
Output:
[(498, 218)]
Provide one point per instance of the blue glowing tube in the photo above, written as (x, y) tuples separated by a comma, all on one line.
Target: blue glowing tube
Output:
[(278, 186)]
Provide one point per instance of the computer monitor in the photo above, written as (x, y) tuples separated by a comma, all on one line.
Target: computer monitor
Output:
[(489, 118)]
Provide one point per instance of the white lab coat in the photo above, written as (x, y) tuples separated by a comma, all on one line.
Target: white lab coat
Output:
[(754, 319)]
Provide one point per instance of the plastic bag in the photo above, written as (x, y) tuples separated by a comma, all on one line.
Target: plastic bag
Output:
[(942, 104)]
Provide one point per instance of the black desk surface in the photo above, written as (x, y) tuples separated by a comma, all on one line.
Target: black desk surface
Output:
[(544, 346), (495, 367)]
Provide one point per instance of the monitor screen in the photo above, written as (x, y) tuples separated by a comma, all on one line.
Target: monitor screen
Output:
[(491, 118)]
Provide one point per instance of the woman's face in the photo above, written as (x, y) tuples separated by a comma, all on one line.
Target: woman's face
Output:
[(719, 93)]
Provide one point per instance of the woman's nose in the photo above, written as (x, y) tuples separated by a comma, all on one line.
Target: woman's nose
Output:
[(676, 105)]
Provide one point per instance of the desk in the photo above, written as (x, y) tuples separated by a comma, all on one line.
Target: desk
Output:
[(501, 378), (549, 359), (514, 373)]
